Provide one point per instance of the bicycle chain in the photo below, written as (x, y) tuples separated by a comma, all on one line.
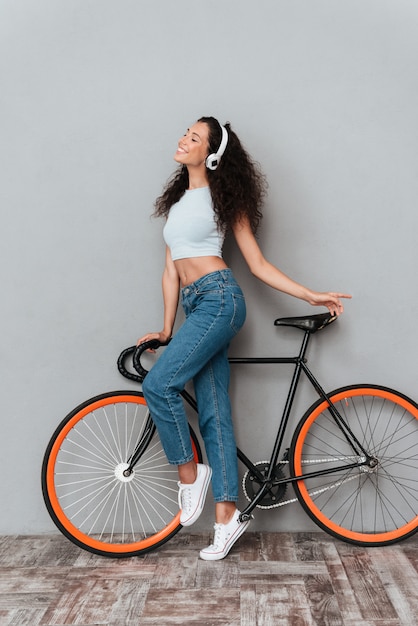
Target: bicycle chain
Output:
[(318, 491)]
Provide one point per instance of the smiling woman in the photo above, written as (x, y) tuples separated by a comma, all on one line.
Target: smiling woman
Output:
[(216, 188)]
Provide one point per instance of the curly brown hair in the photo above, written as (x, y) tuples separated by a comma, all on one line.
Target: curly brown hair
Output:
[(237, 186)]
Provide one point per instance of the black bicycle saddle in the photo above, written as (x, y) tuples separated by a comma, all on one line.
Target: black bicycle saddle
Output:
[(309, 323)]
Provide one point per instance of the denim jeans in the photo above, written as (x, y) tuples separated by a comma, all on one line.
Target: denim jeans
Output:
[(215, 311)]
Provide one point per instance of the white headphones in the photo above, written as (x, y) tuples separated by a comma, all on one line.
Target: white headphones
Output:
[(212, 161)]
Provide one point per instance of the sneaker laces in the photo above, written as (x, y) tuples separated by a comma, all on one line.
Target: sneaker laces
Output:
[(185, 497), (219, 537)]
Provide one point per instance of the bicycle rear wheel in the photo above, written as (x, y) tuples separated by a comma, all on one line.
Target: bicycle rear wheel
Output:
[(361, 505), (86, 492)]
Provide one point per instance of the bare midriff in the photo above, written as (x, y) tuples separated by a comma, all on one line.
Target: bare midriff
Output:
[(190, 270)]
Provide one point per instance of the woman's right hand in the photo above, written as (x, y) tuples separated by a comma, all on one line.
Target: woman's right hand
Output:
[(160, 336)]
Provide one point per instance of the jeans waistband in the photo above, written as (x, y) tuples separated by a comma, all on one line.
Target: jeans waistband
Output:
[(225, 276)]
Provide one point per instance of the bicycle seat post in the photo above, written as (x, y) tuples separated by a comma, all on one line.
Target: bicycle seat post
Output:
[(304, 346)]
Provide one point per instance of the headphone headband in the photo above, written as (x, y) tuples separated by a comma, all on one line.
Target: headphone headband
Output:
[(213, 160)]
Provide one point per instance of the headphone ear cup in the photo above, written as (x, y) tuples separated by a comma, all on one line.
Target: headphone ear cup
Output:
[(212, 161)]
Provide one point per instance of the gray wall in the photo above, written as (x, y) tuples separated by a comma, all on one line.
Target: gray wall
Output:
[(93, 97)]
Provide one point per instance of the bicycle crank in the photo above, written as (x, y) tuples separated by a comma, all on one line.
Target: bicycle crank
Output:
[(251, 485)]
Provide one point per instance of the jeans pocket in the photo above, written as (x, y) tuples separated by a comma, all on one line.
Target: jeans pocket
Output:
[(239, 312)]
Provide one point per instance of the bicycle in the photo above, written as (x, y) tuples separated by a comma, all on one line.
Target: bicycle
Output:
[(352, 461)]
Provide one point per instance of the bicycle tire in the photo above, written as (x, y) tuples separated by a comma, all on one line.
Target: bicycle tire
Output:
[(363, 506), (90, 500)]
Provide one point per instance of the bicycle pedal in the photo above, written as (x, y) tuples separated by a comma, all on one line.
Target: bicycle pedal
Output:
[(245, 517)]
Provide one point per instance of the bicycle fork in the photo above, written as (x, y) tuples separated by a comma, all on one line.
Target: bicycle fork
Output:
[(147, 435), (141, 446)]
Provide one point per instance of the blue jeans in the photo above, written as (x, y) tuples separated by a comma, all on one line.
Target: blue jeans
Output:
[(215, 311)]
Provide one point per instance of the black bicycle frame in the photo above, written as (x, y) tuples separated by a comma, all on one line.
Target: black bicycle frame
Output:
[(268, 481)]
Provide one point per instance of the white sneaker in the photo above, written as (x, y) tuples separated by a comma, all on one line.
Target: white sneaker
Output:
[(192, 497), (225, 537)]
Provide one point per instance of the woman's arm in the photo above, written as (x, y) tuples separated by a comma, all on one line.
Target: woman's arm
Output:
[(272, 276), (171, 287)]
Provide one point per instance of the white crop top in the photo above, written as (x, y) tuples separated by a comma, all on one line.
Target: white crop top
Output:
[(191, 229)]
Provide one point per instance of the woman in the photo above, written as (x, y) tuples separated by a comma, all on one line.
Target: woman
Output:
[(216, 188)]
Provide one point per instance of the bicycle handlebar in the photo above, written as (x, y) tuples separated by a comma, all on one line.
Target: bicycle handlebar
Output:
[(136, 352)]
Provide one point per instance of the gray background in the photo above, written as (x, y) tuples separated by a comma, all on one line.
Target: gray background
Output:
[(93, 97)]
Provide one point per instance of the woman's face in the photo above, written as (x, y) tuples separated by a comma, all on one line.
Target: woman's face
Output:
[(193, 147)]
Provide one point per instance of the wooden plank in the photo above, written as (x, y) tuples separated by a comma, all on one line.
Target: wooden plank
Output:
[(267, 546), (322, 601), (116, 569), (277, 547), (21, 600), (368, 588), (250, 547), (130, 603), (282, 605), (83, 602), (308, 547), (22, 617), (192, 607), (344, 593), (30, 551), (175, 572), (272, 572), (248, 605), (32, 579), (223, 574)]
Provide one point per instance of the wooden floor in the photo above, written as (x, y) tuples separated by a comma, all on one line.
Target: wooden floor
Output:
[(274, 579)]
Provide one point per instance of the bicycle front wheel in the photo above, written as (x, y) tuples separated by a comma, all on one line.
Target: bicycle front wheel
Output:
[(87, 494), (364, 505)]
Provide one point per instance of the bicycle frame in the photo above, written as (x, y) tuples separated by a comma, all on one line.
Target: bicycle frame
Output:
[(268, 481)]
